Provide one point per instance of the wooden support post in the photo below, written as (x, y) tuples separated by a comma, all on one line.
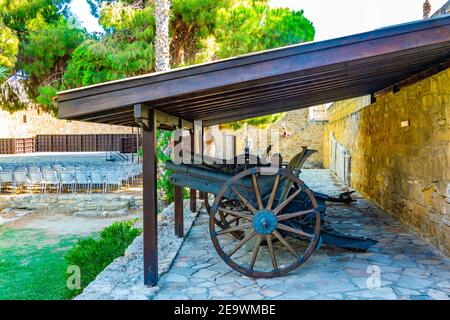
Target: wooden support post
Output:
[(150, 202), (137, 144), (132, 140), (202, 142), (233, 148), (178, 194), (193, 198), (193, 192), (139, 136), (201, 150), (179, 221)]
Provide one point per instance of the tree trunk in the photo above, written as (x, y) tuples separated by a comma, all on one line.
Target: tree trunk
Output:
[(426, 9), (162, 43)]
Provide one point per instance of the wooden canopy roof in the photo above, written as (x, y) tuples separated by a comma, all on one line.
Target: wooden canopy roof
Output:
[(271, 81)]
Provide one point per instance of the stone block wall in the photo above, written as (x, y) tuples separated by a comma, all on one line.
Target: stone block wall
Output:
[(400, 153), (83, 205), (302, 132), (29, 123)]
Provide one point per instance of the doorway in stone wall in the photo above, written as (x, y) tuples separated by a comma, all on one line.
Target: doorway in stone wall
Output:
[(340, 160)]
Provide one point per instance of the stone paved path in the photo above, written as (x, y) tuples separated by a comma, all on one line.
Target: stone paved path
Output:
[(409, 268)]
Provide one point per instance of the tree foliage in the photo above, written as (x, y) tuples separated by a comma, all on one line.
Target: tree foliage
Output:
[(55, 54), (125, 50), (93, 254), (246, 29), (193, 29), (46, 38), (9, 47), (3, 73)]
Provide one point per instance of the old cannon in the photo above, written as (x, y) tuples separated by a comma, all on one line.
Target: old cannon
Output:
[(261, 211)]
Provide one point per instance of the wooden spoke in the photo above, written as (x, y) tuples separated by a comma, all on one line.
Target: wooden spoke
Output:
[(271, 252), (282, 205), (296, 231), (245, 201), (288, 216), (255, 252), (222, 217), (232, 229), (284, 242), (233, 220), (237, 214), (257, 192), (272, 194), (243, 241)]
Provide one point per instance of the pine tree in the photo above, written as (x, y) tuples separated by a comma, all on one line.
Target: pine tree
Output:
[(141, 36)]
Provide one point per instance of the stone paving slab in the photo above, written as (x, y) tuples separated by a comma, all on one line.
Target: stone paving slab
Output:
[(409, 268)]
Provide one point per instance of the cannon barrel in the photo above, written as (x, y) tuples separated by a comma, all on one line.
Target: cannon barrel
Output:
[(197, 173), (202, 179), (211, 181)]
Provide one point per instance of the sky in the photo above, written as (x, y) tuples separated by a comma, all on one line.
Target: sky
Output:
[(81, 10), (331, 18)]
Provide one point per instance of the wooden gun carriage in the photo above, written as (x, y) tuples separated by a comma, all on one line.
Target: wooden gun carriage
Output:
[(261, 210)]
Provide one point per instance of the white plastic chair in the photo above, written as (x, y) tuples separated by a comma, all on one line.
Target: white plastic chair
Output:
[(82, 180), (66, 179), (114, 179), (34, 169), (6, 178), (20, 180), (97, 179), (35, 179), (51, 179)]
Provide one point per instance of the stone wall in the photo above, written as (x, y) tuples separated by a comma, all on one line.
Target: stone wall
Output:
[(302, 132), (400, 153), (29, 123), (85, 205)]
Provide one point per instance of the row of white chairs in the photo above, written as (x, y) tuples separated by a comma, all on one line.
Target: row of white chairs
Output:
[(70, 179), (68, 167)]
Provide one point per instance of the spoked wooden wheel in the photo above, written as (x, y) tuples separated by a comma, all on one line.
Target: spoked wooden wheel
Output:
[(224, 219), (265, 250)]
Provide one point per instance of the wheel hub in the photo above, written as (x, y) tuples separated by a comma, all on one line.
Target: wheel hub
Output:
[(264, 222)]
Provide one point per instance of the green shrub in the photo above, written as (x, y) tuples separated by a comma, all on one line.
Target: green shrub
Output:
[(93, 255)]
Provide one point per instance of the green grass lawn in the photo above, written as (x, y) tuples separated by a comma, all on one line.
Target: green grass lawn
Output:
[(32, 264)]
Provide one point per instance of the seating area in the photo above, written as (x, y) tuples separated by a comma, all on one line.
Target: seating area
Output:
[(60, 177)]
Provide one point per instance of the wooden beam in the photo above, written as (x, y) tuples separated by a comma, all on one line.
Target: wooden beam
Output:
[(264, 68), (166, 119), (178, 192), (102, 115), (380, 34), (150, 204), (316, 84), (280, 106), (331, 73), (415, 78), (193, 192), (188, 125), (142, 114)]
